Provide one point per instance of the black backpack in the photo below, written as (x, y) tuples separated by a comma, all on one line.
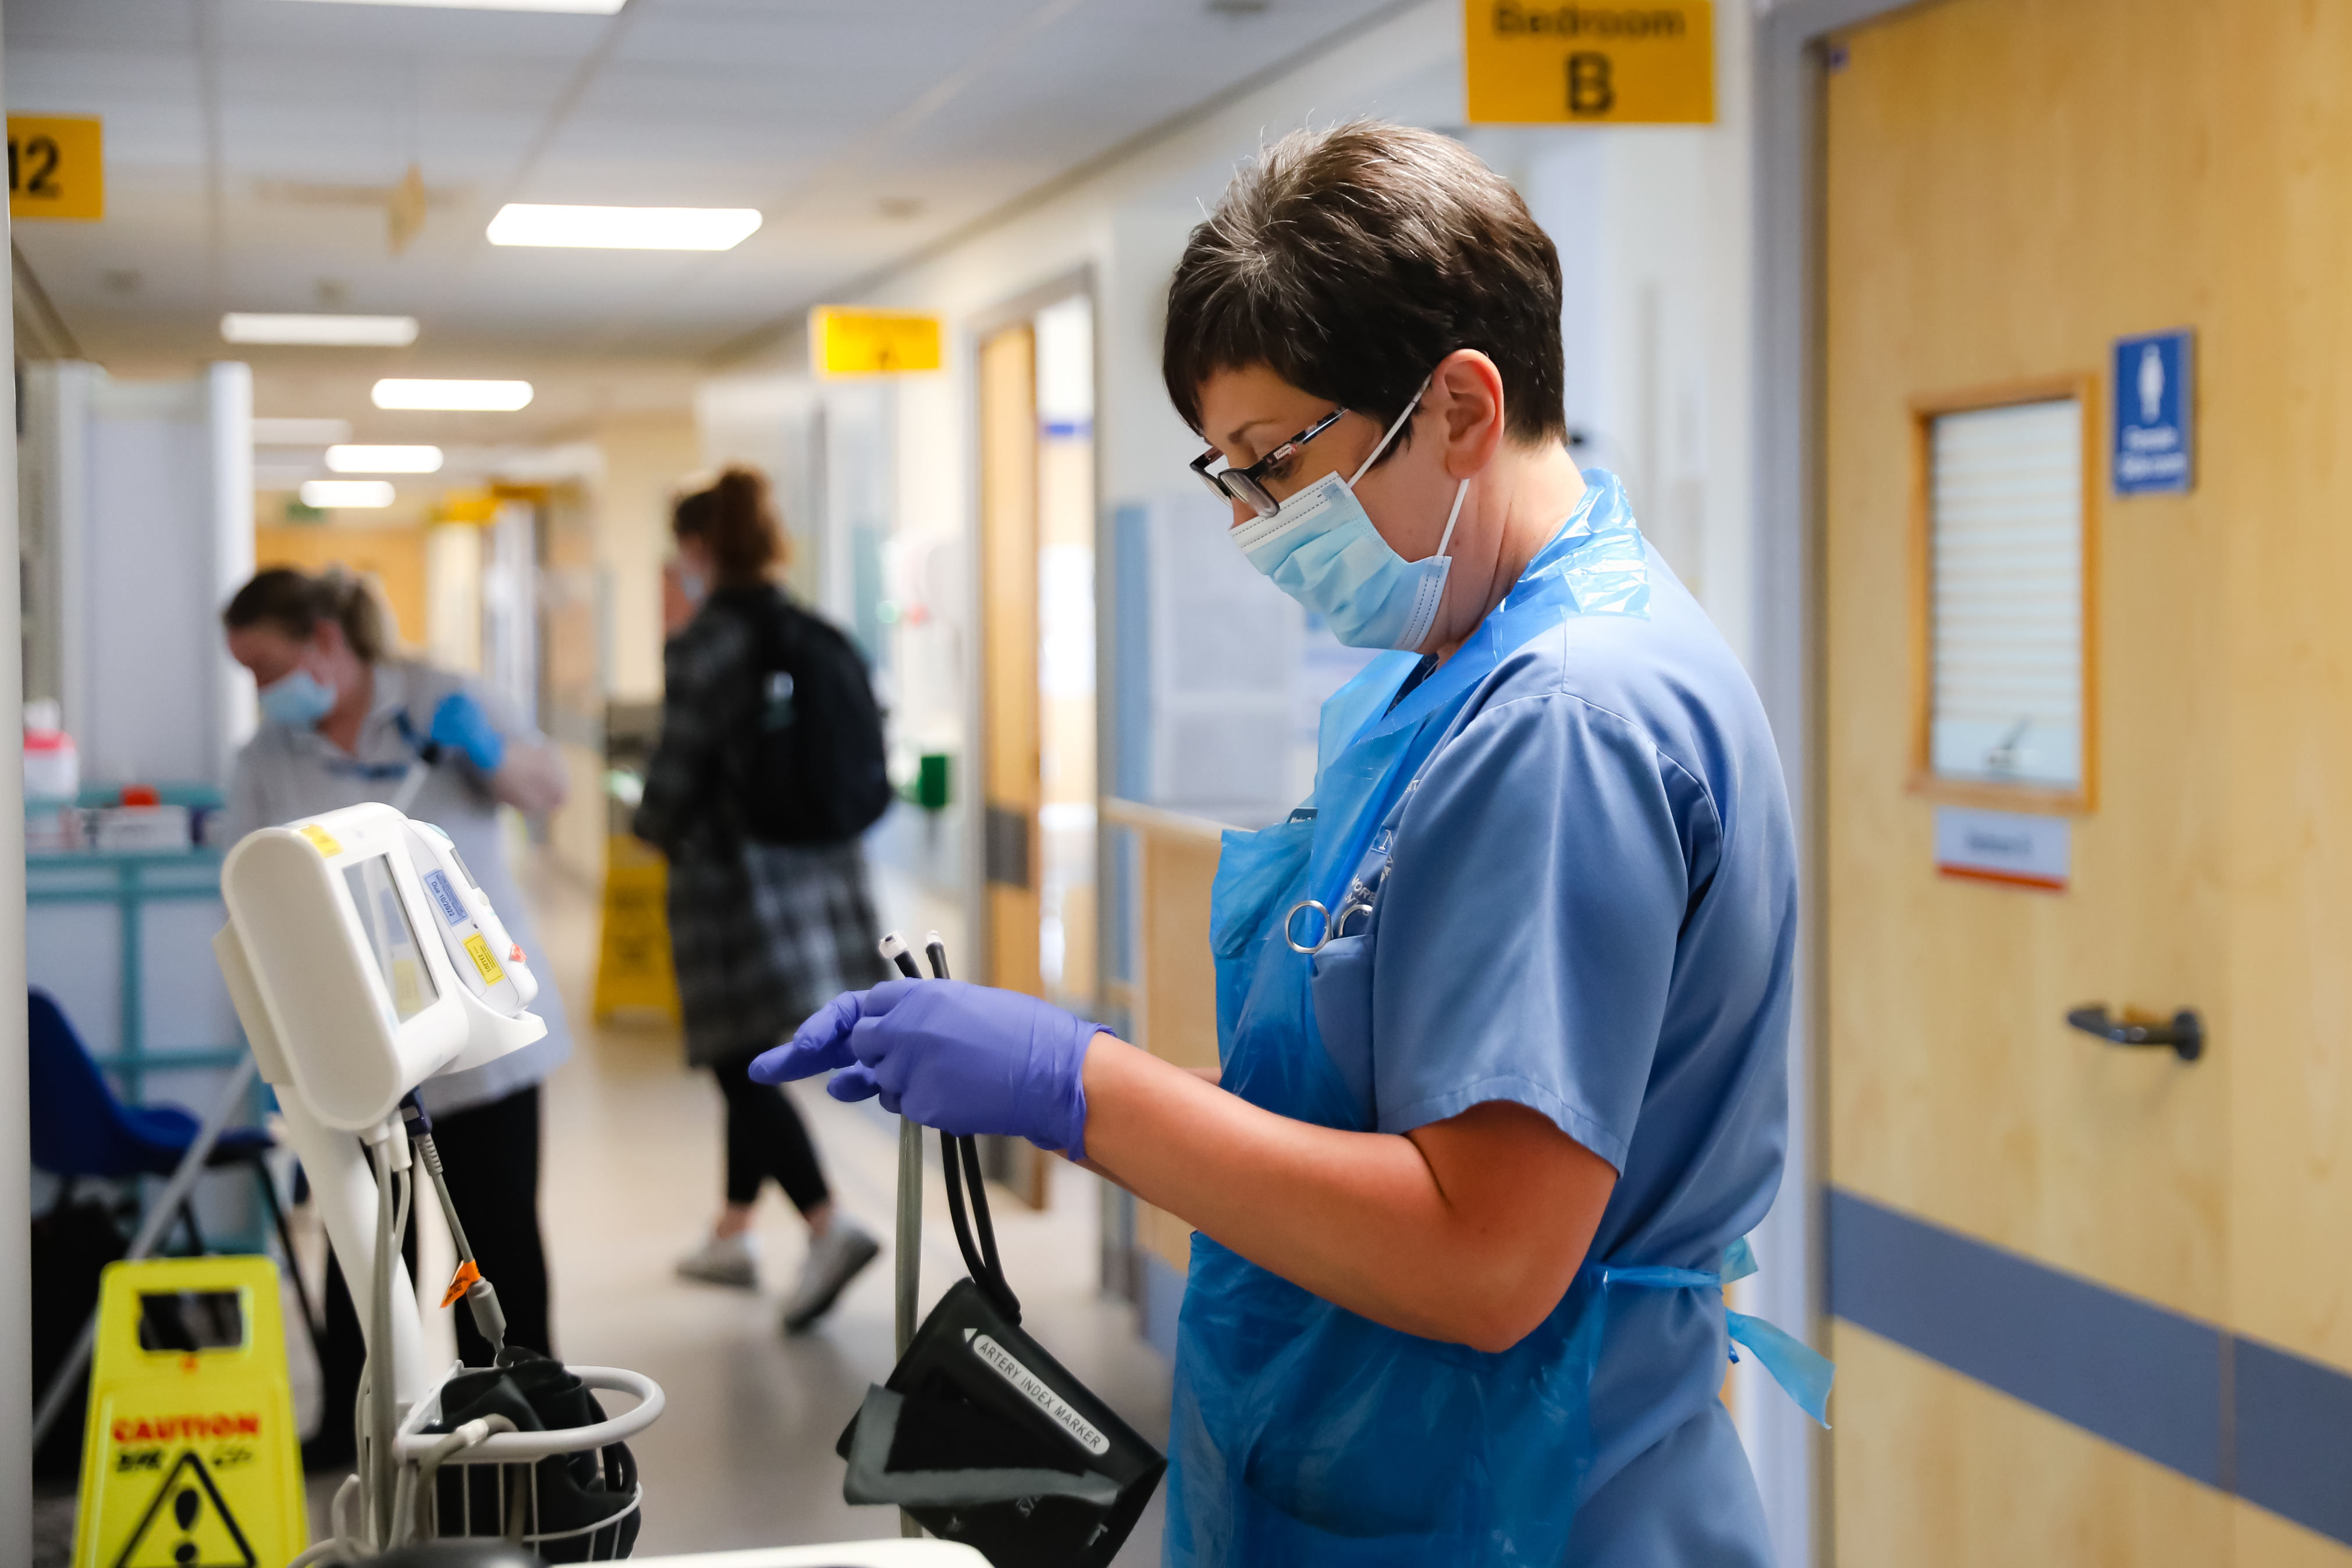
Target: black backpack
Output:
[(808, 768)]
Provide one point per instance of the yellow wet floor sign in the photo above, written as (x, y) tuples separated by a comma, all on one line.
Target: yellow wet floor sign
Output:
[(190, 1459), (633, 963)]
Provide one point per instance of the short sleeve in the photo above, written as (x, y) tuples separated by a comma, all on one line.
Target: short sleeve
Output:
[(1526, 935)]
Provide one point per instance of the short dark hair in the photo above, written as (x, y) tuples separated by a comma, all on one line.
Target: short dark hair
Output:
[(1350, 261), (295, 602), (736, 522)]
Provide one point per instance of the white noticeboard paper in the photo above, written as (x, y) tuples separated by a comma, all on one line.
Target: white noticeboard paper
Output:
[(2011, 847), (2006, 548)]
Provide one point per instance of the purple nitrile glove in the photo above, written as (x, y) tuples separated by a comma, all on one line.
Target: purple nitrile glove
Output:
[(961, 1058)]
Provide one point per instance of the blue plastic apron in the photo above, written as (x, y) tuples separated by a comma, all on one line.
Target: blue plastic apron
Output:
[(1303, 1433)]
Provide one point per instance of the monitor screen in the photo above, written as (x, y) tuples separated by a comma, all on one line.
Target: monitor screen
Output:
[(391, 938)]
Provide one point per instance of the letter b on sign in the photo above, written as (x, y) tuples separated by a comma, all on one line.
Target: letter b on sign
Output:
[(1590, 90)]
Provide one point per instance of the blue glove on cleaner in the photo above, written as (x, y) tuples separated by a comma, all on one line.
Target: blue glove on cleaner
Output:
[(460, 725), (961, 1058)]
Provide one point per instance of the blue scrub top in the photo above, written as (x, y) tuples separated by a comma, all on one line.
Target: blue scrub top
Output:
[(1593, 912)]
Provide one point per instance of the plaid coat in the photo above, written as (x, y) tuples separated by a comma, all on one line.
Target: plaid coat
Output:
[(763, 933)]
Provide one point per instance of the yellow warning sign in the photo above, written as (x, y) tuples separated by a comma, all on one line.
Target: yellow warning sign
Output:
[(187, 1525), (633, 962), (190, 1459), (845, 342), (57, 167), (325, 842), (1542, 62)]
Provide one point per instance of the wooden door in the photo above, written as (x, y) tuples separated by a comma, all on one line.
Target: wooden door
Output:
[(2088, 1297), (395, 556), (1012, 776), (1008, 615)]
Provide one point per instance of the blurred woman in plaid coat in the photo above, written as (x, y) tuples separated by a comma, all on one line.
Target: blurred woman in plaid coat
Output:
[(763, 933)]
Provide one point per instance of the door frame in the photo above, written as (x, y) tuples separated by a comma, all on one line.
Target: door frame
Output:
[(1789, 67), (977, 328)]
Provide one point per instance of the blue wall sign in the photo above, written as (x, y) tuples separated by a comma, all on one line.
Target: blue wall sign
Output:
[(2156, 394)]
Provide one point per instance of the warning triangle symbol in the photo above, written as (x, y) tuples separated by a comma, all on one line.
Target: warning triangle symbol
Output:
[(187, 1525)]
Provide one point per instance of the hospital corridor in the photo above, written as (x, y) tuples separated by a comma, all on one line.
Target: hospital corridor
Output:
[(1202, 783)]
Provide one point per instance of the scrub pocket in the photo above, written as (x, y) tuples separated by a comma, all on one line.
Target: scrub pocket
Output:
[(1341, 982), (1256, 872)]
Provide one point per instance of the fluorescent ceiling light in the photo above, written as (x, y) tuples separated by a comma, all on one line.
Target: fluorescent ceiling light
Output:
[(300, 432), (320, 331), (477, 397), (587, 7), (328, 493), (624, 229), (383, 459)]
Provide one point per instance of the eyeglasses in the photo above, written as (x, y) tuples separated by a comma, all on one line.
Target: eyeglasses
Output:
[(1241, 484)]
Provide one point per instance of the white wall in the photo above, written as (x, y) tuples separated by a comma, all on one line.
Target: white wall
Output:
[(147, 496), (647, 460)]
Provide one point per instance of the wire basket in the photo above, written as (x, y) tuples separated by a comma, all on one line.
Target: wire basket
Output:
[(495, 1492)]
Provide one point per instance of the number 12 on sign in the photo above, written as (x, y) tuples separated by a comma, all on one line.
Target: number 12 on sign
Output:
[(55, 168)]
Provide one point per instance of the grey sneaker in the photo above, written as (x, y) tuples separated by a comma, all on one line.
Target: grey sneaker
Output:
[(833, 1259), (729, 1261)]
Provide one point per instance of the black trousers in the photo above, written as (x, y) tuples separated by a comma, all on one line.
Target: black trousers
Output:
[(491, 1157), (765, 1138)]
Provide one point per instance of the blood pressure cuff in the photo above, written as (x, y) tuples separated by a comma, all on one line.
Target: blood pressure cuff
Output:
[(587, 1502), (988, 1440)]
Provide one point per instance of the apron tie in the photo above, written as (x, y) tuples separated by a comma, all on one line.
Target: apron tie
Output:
[(1803, 1373)]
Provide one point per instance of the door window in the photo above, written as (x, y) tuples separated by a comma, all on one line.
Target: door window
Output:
[(2006, 674)]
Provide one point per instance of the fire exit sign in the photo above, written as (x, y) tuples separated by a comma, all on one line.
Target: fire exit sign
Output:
[(1534, 63)]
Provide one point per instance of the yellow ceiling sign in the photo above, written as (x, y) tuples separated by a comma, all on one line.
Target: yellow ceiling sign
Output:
[(55, 170), (844, 342), (1532, 62)]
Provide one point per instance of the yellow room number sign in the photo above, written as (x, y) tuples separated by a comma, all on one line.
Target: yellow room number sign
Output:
[(1530, 62), (56, 169), (845, 342)]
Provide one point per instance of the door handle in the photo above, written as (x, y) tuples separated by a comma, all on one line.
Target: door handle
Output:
[(2185, 1033)]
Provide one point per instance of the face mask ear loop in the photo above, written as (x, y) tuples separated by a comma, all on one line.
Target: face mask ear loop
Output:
[(1383, 446), (1460, 494)]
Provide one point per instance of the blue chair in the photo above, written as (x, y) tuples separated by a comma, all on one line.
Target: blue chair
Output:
[(80, 1128)]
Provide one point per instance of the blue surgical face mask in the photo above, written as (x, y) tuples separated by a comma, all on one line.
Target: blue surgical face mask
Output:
[(297, 699), (1322, 550), (692, 583)]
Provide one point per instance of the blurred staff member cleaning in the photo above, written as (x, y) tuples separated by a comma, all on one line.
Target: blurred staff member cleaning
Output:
[(770, 765), (343, 721), (1502, 1006)]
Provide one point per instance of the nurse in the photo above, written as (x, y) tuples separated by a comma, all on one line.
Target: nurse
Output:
[(1502, 1006), (343, 721)]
